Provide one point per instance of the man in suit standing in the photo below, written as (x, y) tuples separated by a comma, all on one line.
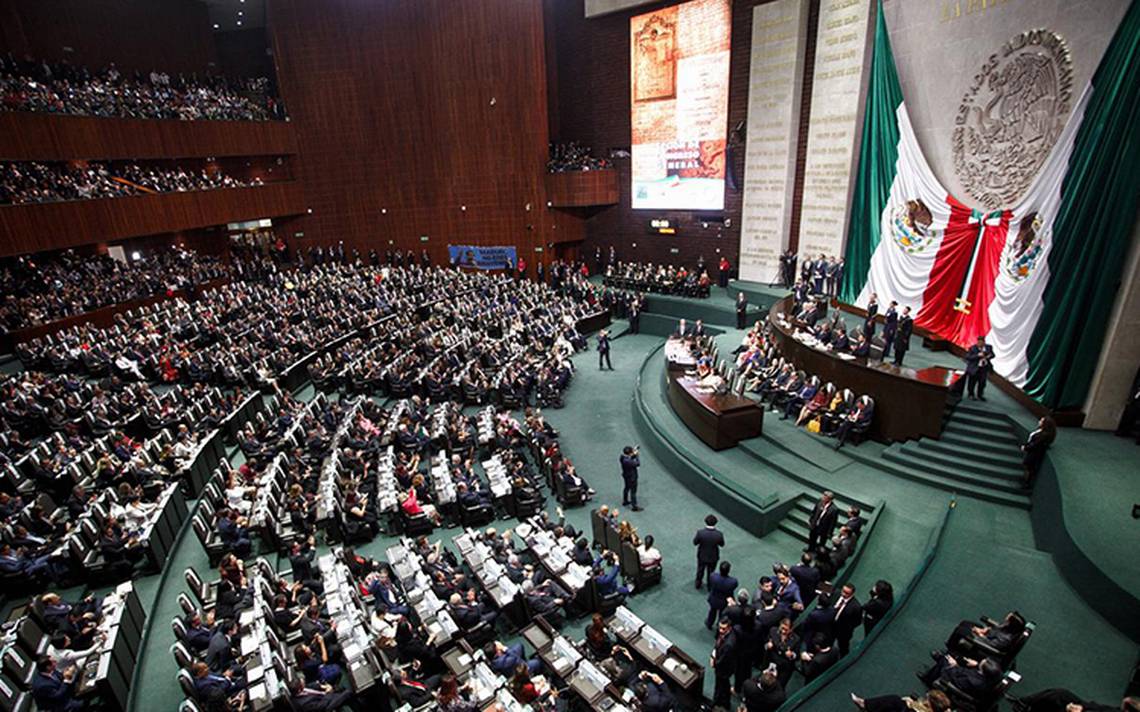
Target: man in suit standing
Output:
[(635, 315), (902, 338), (869, 320), (630, 461), (763, 693), (979, 360), (604, 350), (722, 586), (708, 542), (890, 327), (822, 521), (723, 662), (741, 310), (848, 616)]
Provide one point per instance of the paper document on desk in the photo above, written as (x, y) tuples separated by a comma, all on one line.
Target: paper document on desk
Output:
[(671, 664), (248, 645)]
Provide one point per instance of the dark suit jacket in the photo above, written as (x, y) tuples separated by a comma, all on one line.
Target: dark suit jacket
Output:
[(658, 698), (820, 661), (760, 700), (708, 542), (873, 612), (725, 655), (320, 701), (219, 653), (824, 521), (808, 579), (849, 619), (629, 465), (902, 337), (720, 588)]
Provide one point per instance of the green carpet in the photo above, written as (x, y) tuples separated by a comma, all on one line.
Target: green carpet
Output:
[(988, 562)]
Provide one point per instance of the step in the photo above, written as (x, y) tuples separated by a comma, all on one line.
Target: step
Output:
[(995, 424), (991, 434), (793, 467), (1007, 458), (963, 461), (799, 517), (981, 411), (959, 487), (905, 461), (978, 443), (793, 530)]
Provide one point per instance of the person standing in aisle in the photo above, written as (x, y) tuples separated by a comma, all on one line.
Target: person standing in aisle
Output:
[(630, 461), (708, 542), (902, 338), (741, 310), (604, 350)]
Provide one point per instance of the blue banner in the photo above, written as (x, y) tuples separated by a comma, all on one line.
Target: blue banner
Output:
[(482, 257)]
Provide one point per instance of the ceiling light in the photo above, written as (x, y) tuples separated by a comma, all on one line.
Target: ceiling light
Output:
[(240, 13), (217, 26), (239, 23)]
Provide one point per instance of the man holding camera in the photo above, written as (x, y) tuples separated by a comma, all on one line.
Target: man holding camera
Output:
[(629, 464)]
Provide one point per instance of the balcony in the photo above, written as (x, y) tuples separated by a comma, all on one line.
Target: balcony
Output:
[(31, 228), (50, 137)]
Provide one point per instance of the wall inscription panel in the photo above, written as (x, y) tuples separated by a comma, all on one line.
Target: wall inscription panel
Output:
[(841, 53), (779, 34)]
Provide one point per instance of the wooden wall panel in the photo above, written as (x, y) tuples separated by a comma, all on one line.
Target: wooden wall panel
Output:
[(392, 104), (575, 189), (32, 228), (593, 91), (167, 35), (43, 137)]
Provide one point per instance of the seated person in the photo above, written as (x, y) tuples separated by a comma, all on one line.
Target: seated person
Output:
[(598, 642), (316, 698), (935, 701), (53, 690), (607, 581), (503, 659), (653, 694), (648, 555), (972, 677), (1000, 637)]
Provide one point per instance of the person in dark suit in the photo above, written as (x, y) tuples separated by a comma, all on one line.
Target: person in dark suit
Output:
[(780, 650), (604, 350), (860, 417), (708, 542), (630, 461), (806, 577), (220, 653), (902, 337), (1060, 700), (653, 694), (635, 315), (722, 587), (763, 693), (723, 662), (1001, 637), (816, 661), (318, 698), (974, 678), (890, 328), (1035, 447), (936, 701), (877, 606), (54, 691), (799, 294), (683, 330), (741, 310), (869, 320), (821, 523), (847, 616), (979, 363)]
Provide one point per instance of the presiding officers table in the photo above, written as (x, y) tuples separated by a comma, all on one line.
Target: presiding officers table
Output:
[(720, 420), (909, 402)]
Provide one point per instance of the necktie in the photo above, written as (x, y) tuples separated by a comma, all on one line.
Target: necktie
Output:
[(840, 607)]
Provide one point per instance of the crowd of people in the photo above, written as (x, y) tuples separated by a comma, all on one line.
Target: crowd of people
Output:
[(40, 289), (30, 182), (823, 275), (574, 156), (61, 88)]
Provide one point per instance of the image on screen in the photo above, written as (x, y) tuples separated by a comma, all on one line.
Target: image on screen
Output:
[(679, 59)]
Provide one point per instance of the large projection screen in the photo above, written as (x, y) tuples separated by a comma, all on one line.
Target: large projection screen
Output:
[(679, 59)]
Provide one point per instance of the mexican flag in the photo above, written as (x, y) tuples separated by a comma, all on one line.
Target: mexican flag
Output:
[(1038, 277)]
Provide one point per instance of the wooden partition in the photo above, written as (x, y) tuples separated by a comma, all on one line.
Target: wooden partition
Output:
[(582, 189), (32, 228), (27, 136)]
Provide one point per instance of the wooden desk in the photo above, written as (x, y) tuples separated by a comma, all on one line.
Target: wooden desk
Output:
[(909, 402), (720, 421)]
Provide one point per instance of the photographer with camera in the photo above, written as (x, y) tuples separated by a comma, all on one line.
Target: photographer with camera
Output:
[(630, 461)]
